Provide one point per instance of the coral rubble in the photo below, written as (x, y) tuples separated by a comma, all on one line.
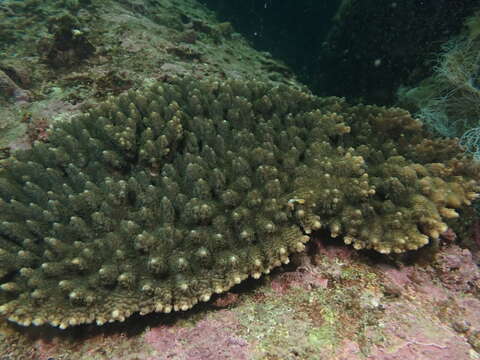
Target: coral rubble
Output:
[(155, 200)]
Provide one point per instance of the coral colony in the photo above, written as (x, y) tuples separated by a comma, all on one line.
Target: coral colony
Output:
[(157, 199)]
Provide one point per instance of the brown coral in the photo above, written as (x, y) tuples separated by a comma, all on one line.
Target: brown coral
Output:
[(157, 199)]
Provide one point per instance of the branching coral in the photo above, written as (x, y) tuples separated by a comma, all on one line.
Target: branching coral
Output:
[(157, 199)]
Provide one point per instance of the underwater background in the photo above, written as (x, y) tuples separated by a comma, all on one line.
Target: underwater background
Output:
[(207, 179)]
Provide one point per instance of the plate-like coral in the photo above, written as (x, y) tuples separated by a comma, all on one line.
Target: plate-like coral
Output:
[(155, 200)]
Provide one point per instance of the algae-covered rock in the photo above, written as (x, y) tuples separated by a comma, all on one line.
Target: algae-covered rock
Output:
[(156, 199)]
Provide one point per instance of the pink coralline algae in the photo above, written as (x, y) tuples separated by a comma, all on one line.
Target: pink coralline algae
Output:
[(209, 339), (457, 270), (303, 277)]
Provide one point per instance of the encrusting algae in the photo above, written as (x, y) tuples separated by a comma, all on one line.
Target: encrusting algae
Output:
[(155, 200)]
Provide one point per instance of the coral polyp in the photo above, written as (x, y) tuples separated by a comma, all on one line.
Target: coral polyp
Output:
[(157, 199)]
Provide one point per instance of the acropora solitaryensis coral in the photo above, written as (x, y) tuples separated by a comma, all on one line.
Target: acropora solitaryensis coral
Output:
[(155, 200)]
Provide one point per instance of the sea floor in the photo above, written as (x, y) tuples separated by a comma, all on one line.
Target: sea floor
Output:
[(330, 303)]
